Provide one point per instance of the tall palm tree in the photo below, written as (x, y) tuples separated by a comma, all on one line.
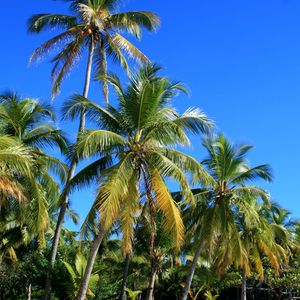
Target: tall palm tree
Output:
[(136, 143), (227, 195), (94, 25)]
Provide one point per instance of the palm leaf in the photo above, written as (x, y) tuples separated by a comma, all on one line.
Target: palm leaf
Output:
[(172, 220)]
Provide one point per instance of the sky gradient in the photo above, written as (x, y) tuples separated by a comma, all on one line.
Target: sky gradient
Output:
[(239, 59)]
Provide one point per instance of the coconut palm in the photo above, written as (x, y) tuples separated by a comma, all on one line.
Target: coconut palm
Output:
[(94, 25), (162, 254), (135, 144), (257, 239), (14, 159), (260, 238), (31, 123), (227, 195)]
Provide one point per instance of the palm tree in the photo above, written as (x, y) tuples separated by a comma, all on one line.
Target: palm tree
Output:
[(95, 25), (227, 195), (31, 123), (136, 143), (162, 253), (258, 238), (15, 158)]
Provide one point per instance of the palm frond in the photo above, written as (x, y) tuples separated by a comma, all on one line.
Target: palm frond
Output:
[(128, 48), (132, 22), (93, 142), (40, 22), (165, 203), (112, 191)]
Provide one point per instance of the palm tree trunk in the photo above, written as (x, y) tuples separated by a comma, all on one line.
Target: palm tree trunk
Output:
[(104, 74), (65, 195), (244, 286), (28, 292), (89, 266), (150, 293), (190, 276), (123, 295)]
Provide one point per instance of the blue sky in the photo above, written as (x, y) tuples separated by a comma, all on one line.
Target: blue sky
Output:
[(239, 59)]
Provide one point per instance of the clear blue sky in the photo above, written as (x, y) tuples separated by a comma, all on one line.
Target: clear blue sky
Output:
[(240, 60)]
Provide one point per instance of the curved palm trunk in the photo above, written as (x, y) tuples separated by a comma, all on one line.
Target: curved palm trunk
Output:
[(150, 293), (190, 276), (28, 292), (65, 195), (89, 266), (123, 295), (244, 286)]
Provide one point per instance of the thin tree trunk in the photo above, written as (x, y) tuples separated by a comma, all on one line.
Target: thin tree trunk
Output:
[(28, 292), (65, 194), (89, 266), (150, 293), (190, 276), (244, 286), (104, 74), (123, 295)]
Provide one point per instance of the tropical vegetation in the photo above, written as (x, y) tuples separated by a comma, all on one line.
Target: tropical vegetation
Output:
[(163, 224)]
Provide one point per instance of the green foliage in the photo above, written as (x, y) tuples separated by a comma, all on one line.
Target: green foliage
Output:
[(95, 25), (133, 295), (77, 273), (134, 153), (209, 296)]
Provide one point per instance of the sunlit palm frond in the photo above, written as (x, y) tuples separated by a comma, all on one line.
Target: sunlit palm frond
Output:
[(128, 215), (112, 191), (165, 203), (128, 48), (93, 142), (132, 22)]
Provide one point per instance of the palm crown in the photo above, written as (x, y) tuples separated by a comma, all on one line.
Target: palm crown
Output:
[(230, 192), (94, 24), (29, 125), (136, 141)]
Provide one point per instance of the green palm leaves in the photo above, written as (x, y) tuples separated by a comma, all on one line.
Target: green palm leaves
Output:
[(95, 24), (230, 194), (27, 186), (223, 202), (140, 135)]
